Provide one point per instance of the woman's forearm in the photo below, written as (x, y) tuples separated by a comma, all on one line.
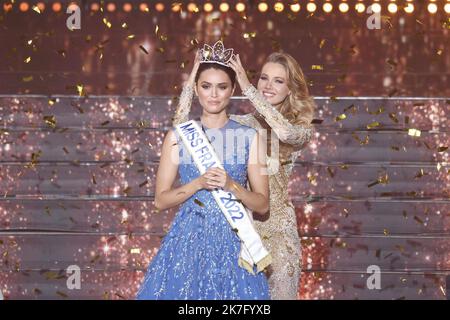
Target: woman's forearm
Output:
[(255, 201), (171, 198), (184, 105)]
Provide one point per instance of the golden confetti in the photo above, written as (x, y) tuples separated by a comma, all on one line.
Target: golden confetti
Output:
[(131, 36), (143, 184), (93, 179), (418, 220), (391, 63), (414, 132), (80, 89), (330, 172), (62, 294), (127, 190), (439, 52), (248, 35), (143, 49), (393, 117), (379, 111), (27, 60), (50, 121), (51, 101), (322, 43), (438, 166), (36, 8), (373, 125), (316, 121), (198, 202), (156, 29), (340, 117), (107, 23), (442, 149), (124, 25), (442, 290), (316, 67), (160, 50), (135, 250), (386, 232), (27, 79)]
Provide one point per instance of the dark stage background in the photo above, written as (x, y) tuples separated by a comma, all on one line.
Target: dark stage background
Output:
[(83, 114)]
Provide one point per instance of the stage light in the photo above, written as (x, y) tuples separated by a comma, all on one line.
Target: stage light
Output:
[(192, 7), (278, 7), (159, 7), (127, 7), (41, 6), (392, 8), (224, 7), (56, 7), (240, 7), (447, 8), (311, 7), (176, 7), (24, 6), (343, 7), (7, 7), (327, 7), (376, 8), (409, 8), (111, 7), (263, 7), (95, 6), (295, 7), (143, 7), (360, 7), (432, 8), (208, 7)]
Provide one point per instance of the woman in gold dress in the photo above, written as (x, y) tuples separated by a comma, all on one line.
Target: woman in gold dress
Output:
[(283, 105)]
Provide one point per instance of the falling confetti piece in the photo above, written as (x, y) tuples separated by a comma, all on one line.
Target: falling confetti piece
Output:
[(36, 8), (62, 294), (93, 179), (386, 232), (135, 250), (27, 60), (143, 184), (143, 49), (379, 111), (393, 117), (442, 149), (50, 121), (107, 23), (131, 36), (414, 132), (80, 89), (316, 67), (27, 79), (418, 220), (373, 125), (340, 117), (124, 25), (156, 29), (198, 202), (322, 43)]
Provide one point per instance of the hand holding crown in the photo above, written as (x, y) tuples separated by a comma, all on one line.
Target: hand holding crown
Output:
[(241, 75)]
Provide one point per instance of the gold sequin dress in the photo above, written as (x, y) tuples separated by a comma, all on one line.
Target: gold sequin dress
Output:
[(278, 229)]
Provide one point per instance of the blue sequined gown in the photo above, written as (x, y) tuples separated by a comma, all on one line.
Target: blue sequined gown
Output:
[(198, 258)]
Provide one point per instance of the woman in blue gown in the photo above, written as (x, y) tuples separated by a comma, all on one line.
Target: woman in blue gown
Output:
[(198, 258)]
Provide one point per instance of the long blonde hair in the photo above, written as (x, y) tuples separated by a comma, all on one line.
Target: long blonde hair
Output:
[(299, 106)]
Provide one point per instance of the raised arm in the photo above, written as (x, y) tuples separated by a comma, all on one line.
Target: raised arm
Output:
[(296, 135), (185, 102)]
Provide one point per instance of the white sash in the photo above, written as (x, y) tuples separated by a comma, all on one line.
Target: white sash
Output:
[(252, 249)]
